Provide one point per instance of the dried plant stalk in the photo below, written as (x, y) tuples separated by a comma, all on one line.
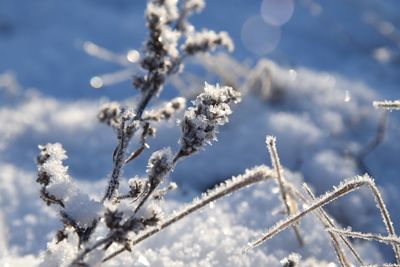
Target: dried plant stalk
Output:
[(343, 189), (327, 222), (368, 236), (294, 191), (390, 105), (289, 203)]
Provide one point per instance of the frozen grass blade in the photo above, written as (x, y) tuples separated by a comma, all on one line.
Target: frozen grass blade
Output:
[(389, 105), (289, 203), (327, 222), (343, 189), (367, 236)]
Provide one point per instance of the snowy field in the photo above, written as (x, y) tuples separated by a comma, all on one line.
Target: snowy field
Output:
[(324, 63)]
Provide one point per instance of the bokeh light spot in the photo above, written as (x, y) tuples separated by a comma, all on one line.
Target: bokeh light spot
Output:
[(277, 12), (260, 37), (133, 56), (96, 82)]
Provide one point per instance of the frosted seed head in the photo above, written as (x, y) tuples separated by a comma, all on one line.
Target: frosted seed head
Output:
[(110, 114), (159, 166), (136, 186), (205, 41), (200, 123)]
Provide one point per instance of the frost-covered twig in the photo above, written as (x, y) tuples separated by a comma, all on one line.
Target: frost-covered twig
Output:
[(387, 104), (343, 189), (206, 41), (323, 216), (166, 112), (124, 134), (251, 176), (289, 203), (188, 7), (110, 115), (367, 236), (159, 166)]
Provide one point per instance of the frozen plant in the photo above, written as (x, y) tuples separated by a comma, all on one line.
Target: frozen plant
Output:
[(162, 58), (133, 212), (92, 225), (339, 191)]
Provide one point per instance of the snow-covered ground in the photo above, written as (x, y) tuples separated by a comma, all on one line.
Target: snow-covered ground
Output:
[(331, 60)]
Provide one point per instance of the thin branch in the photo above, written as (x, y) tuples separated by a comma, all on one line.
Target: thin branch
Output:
[(294, 191), (286, 199), (380, 135), (118, 160), (321, 214), (368, 236), (143, 145), (389, 105)]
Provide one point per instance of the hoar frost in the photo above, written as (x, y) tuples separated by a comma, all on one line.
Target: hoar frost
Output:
[(200, 123)]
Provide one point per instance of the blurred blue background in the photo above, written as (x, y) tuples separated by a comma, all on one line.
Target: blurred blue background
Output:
[(42, 41)]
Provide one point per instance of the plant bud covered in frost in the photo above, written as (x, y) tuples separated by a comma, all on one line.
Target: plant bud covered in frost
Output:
[(207, 41), (136, 186), (159, 166), (110, 114), (200, 123)]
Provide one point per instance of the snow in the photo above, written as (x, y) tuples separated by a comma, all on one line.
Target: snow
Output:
[(331, 62)]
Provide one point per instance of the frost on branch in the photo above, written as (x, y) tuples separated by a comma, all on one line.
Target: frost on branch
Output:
[(390, 105), (207, 41), (166, 111), (200, 123), (251, 176), (159, 166), (342, 189), (110, 114)]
